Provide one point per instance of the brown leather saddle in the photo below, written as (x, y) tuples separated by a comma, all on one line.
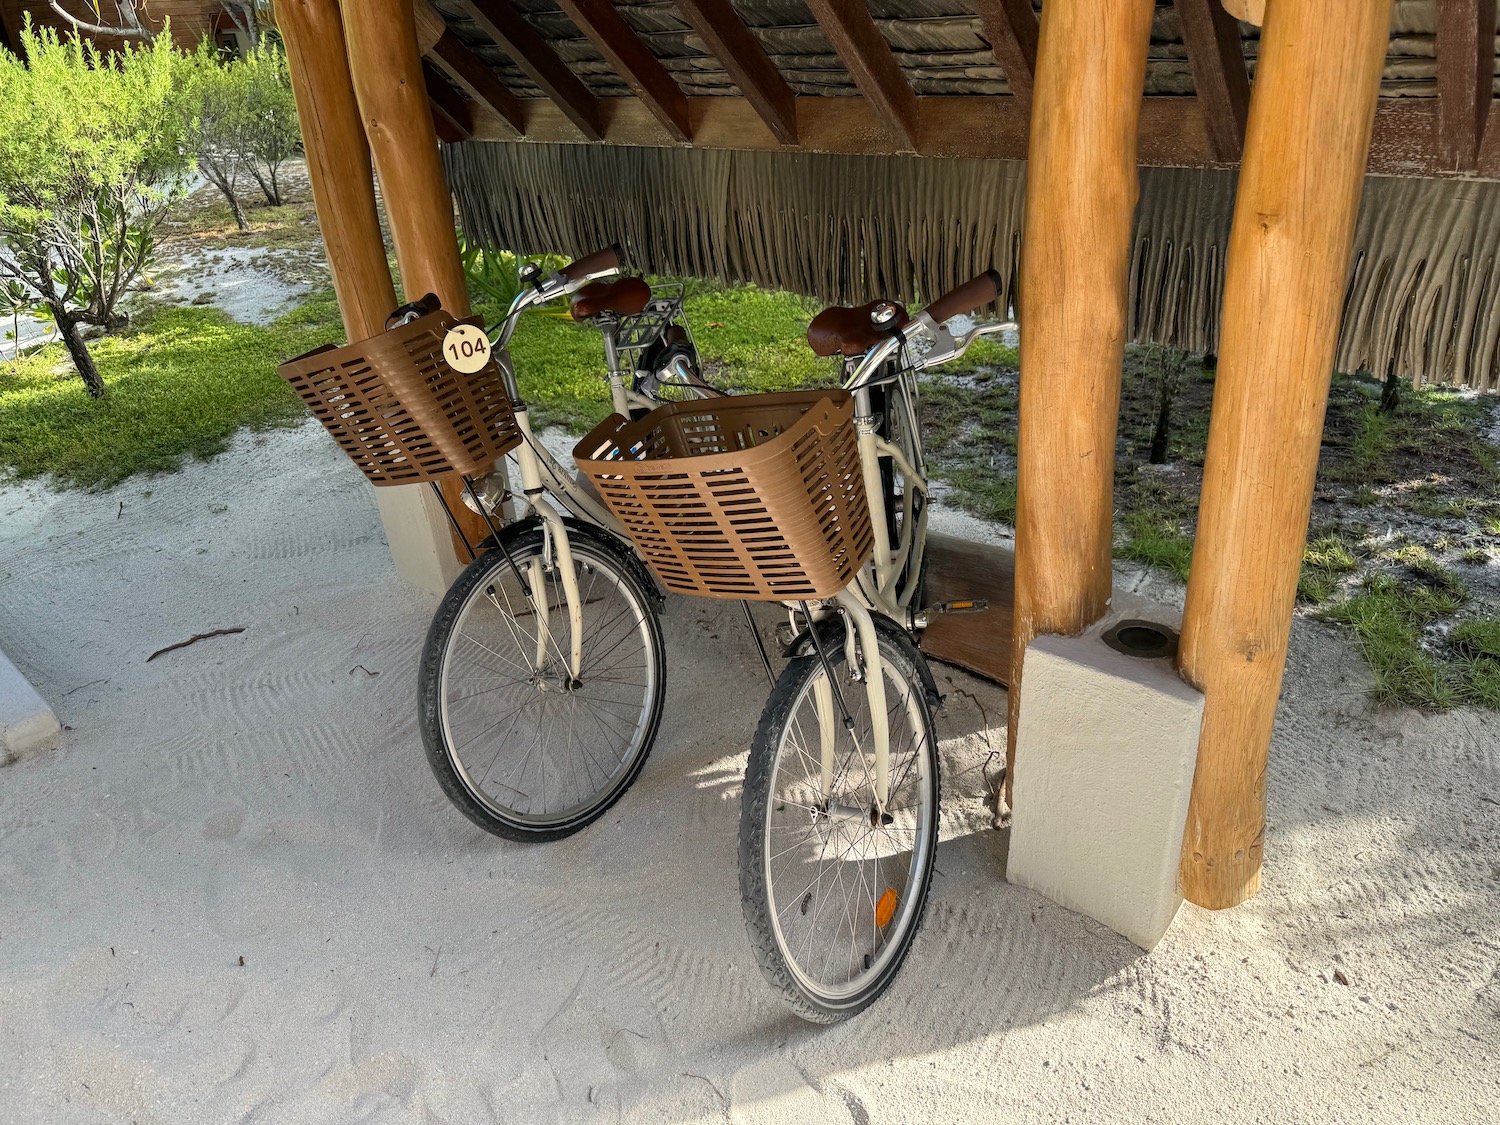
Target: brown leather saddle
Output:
[(625, 296), (847, 331)]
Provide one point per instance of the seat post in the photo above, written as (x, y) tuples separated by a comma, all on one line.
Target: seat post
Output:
[(608, 328)]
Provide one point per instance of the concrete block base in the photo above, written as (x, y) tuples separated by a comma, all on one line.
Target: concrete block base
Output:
[(1105, 752), (27, 724), (417, 529)]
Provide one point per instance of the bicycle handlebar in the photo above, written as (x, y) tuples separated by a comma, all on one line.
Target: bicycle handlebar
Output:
[(600, 261), (967, 297)]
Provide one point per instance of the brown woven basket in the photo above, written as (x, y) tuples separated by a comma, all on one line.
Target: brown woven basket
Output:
[(399, 411), (749, 496)]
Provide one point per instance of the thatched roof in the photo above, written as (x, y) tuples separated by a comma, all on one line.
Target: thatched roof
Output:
[(941, 46), (839, 215)]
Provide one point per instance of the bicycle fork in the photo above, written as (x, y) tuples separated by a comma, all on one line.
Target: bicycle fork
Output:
[(863, 659)]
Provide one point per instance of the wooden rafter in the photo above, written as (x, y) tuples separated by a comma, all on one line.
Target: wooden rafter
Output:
[(745, 61), (451, 115), (1012, 29), (1212, 38), (868, 58), (464, 68), (633, 61), (519, 40), (1465, 76)]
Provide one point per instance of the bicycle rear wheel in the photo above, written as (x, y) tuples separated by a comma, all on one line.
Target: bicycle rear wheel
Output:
[(520, 747), (832, 891)]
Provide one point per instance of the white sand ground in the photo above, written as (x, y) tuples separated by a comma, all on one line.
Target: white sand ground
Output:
[(264, 797)]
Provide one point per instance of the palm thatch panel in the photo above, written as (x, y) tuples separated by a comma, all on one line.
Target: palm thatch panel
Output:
[(1423, 298)]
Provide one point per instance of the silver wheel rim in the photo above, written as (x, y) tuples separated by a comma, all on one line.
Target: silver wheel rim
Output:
[(824, 880), (528, 746)]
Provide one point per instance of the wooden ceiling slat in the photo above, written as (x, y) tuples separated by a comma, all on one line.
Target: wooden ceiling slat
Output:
[(469, 73), (1012, 28), (518, 39), (1465, 76), (1212, 38), (868, 57), (633, 61), (746, 62)]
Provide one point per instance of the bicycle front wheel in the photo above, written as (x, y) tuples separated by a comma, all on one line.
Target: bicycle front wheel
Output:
[(522, 747), (833, 888)]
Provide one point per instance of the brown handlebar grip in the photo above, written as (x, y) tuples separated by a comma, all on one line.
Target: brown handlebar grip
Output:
[(609, 258), (972, 294)]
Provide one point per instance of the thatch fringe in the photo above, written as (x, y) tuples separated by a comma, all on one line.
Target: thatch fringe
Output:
[(1423, 297)]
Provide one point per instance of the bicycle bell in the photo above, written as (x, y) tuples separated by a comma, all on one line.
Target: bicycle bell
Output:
[(491, 491), (883, 313)]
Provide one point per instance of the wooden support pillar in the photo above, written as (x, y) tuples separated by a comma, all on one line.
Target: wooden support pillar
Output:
[(338, 162), (343, 184), (1306, 145), (1080, 199), (386, 65)]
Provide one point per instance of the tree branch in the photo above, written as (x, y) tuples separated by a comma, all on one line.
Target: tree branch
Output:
[(133, 31)]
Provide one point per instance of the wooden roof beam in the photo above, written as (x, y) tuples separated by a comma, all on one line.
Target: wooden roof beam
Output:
[(464, 68), (870, 62), (633, 61), (519, 40), (1012, 28), (1465, 76), (452, 117), (745, 61), (1212, 38)]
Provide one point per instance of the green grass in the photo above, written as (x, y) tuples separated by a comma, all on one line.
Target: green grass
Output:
[(180, 383), (749, 339), (1388, 617), (1155, 538), (983, 492), (1325, 561)]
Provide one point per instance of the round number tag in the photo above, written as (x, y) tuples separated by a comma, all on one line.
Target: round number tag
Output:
[(466, 348)]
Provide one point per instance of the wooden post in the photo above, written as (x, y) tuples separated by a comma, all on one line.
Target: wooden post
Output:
[(1306, 145), (387, 70), (1080, 199), (338, 163), (386, 65)]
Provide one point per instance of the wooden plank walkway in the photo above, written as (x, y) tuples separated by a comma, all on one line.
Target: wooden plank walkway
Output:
[(979, 642)]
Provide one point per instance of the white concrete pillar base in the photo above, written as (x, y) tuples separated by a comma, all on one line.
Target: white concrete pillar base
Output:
[(27, 724), (1105, 752), (417, 531)]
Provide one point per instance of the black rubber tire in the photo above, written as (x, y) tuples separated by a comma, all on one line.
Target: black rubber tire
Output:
[(525, 541), (902, 656)]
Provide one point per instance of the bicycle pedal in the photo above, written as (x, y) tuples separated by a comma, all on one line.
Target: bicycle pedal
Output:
[(961, 605)]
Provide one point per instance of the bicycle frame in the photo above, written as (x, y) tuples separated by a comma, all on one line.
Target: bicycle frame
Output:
[(879, 587)]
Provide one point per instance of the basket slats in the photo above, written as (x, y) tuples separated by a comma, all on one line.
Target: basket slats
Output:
[(400, 412), (752, 496)]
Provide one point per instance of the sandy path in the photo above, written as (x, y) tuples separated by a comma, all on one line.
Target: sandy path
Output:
[(261, 797)]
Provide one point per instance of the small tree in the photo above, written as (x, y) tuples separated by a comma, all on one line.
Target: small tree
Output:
[(216, 123), (1167, 365), (91, 153), (270, 133)]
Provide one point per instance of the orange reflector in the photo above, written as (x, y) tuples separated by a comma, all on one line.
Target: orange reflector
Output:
[(885, 909)]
